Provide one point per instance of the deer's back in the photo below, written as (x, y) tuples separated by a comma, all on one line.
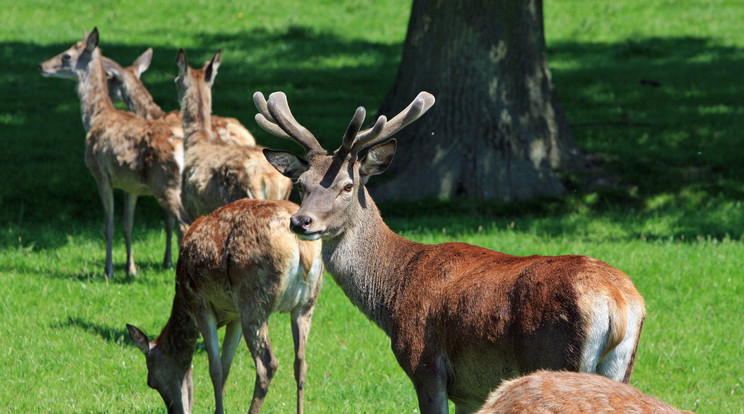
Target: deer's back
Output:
[(570, 393)]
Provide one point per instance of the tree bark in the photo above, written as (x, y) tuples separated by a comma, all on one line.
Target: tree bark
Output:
[(497, 130)]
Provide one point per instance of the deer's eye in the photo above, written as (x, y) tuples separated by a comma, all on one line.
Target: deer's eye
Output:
[(348, 187), (66, 56)]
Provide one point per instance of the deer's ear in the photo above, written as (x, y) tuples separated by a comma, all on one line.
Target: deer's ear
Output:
[(143, 62), (182, 62), (91, 41), (211, 67), (378, 159), (286, 163), (139, 338), (112, 68)]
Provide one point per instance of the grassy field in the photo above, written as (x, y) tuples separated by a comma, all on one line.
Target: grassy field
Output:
[(653, 90)]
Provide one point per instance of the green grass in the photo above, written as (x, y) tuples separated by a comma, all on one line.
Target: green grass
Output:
[(672, 217)]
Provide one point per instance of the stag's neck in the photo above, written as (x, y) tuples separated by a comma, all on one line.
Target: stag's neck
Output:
[(178, 337), (139, 101), (196, 113), (366, 261), (93, 90)]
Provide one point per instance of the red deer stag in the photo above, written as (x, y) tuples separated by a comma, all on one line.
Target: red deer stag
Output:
[(125, 84), (460, 318), (123, 151), (545, 392), (215, 173), (236, 267)]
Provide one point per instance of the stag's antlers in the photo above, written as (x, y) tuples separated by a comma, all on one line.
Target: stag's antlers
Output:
[(275, 117)]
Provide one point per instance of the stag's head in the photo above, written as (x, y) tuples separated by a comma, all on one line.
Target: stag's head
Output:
[(332, 186), (122, 81), (171, 378), (72, 61)]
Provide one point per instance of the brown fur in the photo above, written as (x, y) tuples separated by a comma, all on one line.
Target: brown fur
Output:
[(460, 318), (214, 173), (125, 84), (138, 156), (546, 392), (237, 266)]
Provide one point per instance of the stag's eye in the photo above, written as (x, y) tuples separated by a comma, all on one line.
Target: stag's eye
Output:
[(66, 56), (348, 187)]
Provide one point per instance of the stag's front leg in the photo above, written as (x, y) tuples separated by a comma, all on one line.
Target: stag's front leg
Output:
[(300, 330), (127, 220), (257, 337)]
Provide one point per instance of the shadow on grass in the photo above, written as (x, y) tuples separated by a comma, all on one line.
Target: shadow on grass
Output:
[(107, 333), (663, 115)]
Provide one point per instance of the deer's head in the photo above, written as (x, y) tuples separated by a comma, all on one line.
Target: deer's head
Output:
[(171, 378), (72, 61), (191, 81), (332, 186)]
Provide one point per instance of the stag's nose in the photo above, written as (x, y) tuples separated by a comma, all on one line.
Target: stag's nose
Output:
[(40, 68), (300, 223)]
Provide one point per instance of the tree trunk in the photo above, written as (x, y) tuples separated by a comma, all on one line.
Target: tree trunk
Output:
[(497, 130)]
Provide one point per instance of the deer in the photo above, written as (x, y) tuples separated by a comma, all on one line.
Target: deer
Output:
[(214, 173), (122, 151), (571, 393), (125, 84), (236, 267), (460, 318)]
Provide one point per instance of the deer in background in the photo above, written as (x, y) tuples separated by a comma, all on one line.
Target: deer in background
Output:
[(215, 173), (125, 84), (570, 393), (236, 267), (123, 151), (460, 318)]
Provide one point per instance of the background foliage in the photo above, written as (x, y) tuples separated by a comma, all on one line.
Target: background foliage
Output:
[(653, 92)]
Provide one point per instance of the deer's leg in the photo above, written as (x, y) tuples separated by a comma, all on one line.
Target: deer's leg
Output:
[(233, 332), (170, 221), (106, 192), (127, 219), (257, 337), (300, 330), (208, 328)]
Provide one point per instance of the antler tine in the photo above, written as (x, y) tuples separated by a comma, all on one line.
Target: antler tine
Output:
[(353, 129), (383, 129), (264, 118), (276, 118)]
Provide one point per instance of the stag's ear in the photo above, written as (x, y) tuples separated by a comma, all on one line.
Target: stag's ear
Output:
[(139, 338), (378, 159), (91, 41), (182, 62), (211, 67), (142, 63), (286, 163)]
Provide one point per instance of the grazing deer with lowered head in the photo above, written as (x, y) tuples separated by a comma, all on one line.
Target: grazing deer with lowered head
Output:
[(460, 318), (236, 267), (546, 392), (125, 84), (123, 151), (215, 173)]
